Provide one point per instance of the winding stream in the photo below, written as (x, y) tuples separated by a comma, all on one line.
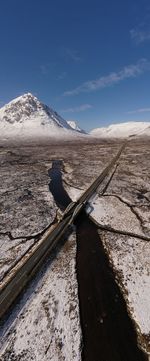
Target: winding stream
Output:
[(61, 197)]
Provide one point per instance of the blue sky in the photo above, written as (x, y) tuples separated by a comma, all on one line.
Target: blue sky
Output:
[(89, 60)]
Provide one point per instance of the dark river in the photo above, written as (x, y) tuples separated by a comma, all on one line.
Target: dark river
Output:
[(107, 331)]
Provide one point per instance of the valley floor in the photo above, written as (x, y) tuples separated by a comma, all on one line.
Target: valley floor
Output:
[(45, 324)]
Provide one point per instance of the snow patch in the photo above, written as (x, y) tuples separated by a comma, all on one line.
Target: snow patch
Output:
[(110, 211)]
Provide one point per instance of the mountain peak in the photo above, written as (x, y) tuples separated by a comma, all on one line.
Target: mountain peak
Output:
[(27, 97), (20, 107), (26, 116)]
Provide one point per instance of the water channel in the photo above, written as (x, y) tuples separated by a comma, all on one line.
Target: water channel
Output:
[(107, 331)]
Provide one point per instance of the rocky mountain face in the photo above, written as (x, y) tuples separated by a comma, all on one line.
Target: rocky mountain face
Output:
[(27, 105), (26, 117)]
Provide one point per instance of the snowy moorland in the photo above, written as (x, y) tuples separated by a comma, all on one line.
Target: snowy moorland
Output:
[(123, 130), (47, 326), (45, 323), (121, 210)]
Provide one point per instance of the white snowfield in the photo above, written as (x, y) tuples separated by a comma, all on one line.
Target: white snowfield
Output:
[(27, 117), (122, 130)]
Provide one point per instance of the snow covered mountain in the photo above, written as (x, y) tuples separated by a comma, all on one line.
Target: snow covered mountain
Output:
[(26, 117), (123, 130), (75, 126)]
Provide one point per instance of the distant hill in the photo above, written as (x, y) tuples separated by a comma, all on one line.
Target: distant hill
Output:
[(123, 130)]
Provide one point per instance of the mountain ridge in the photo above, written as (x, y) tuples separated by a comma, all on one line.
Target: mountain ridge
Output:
[(74, 125)]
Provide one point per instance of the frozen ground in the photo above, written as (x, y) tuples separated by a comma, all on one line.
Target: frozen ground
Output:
[(45, 323), (27, 208), (130, 260), (124, 210), (128, 248), (47, 326), (121, 209), (129, 255), (26, 205), (11, 251)]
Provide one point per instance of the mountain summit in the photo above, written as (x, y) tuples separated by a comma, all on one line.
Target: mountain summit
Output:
[(27, 117)]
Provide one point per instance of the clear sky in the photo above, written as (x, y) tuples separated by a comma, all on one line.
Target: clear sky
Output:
[(87, 59)]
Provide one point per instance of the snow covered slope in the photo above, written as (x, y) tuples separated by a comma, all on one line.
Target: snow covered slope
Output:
[(75, 126), (27, 117), (123, 130)]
